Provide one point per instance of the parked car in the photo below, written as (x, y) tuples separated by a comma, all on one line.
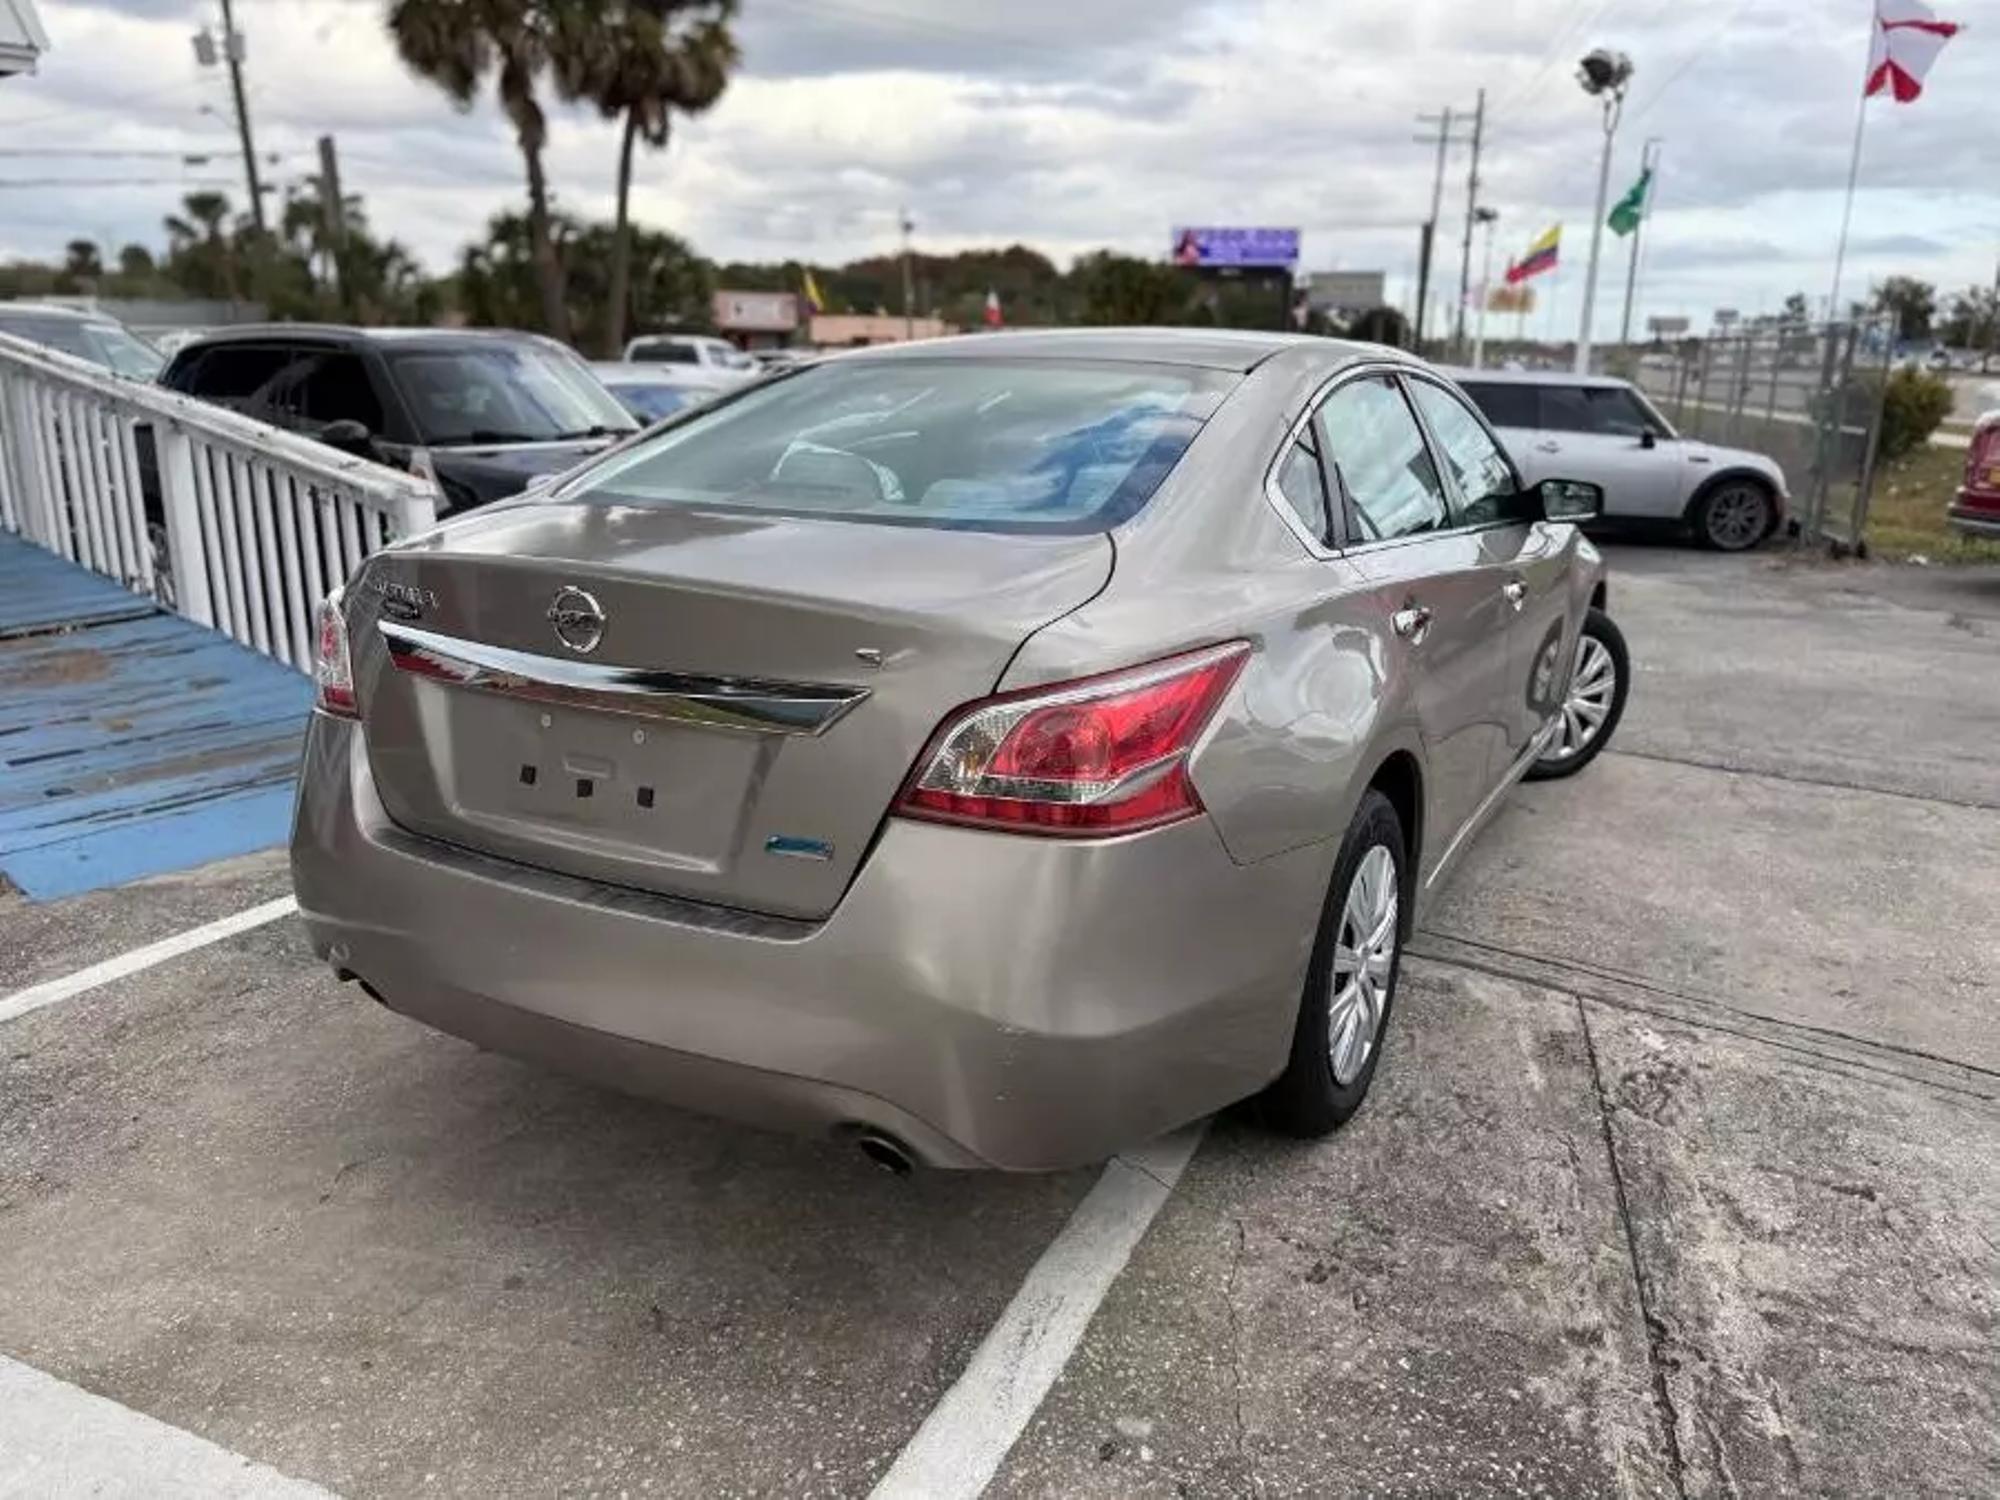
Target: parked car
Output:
[(781, 359), (88, 335), (1607, 431), (1975, 510), (716, 360), (993, 750), (491, 410), (651, 391)]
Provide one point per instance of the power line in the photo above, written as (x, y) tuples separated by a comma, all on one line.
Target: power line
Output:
[(177, 184)]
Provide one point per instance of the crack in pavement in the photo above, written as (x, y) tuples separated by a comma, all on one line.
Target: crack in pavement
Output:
[(1529, 969), (1663, 1397), (1243, 1454), (1795, 779)]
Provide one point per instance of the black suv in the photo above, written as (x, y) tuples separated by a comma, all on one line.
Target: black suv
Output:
[(493, 410)]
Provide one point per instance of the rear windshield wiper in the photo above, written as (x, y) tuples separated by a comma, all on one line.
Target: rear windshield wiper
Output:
[(600, 430)]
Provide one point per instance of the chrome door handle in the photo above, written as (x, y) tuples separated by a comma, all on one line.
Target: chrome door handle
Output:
[(1548, 447), (1516, 591), (1412, 622)]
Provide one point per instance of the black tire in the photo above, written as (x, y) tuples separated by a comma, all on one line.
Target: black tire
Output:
[(1307, 1099), (1734, 514), (1597, 626)]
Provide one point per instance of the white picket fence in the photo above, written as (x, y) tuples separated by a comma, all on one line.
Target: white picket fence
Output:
[(233, 522)]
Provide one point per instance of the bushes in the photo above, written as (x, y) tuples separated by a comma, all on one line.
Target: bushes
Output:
[(1912, 407)]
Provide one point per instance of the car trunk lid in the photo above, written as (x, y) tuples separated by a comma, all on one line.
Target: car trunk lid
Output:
[(758, 690)]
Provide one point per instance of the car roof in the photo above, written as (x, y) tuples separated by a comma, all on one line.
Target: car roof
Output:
[(348, 334), (1238, 349), (45, 310), (1463, 374)]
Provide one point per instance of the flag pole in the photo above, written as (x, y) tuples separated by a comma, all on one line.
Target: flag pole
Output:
[(1853, 176), (1649, 166)]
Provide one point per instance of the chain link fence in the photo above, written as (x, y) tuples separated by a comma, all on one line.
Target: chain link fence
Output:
[(1808, 396)]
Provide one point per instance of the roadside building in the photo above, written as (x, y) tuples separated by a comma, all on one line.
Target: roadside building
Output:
[(756, 320), (853, 330)]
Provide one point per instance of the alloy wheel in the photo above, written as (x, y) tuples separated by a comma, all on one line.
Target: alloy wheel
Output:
[(1593, 688), (1364, 958), (1736, 517)]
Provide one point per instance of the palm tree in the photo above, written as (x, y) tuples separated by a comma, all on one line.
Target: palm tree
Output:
[(640, 61), (456, 44), (196, 242)]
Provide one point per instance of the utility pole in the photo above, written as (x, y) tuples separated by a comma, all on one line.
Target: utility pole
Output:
[(1427, 240), (232, 53), (1649, 163), (909, 299), (332, 207), (1471, 218)]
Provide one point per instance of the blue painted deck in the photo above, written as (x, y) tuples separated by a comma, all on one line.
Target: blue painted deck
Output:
[(40, 591), (132, 742)]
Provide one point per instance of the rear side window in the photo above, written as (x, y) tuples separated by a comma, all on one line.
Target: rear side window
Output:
[(230, 372), (988, 444), (1384, 466), (1505, 405), (1303, 486), (1610, 410)]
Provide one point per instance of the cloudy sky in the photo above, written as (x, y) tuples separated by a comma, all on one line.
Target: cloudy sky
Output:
[(1074, 124)]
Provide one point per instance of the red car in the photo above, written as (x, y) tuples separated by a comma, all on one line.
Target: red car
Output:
[(1976, 511)]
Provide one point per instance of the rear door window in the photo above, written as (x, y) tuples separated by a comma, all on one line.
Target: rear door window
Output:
[(1608, 410), (1505, 404), (230, 374), (336, 388), (1377, 454), (987, 444)]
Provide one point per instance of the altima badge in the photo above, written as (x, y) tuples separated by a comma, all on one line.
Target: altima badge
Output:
[(578, 619)]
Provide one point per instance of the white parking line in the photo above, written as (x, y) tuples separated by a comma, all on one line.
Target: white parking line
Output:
[(59, 1440), (958, 1449), (35, 996)]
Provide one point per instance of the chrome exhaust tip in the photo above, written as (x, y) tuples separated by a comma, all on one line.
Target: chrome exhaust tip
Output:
[(886, 1152)]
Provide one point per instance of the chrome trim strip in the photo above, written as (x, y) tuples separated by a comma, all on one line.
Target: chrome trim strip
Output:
[(1485, 809), (741, 703)]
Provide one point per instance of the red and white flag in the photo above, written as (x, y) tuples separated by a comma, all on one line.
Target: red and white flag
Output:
[(1908, 38), (993, 318)]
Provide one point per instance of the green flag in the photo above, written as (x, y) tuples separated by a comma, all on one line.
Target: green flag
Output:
[(1630, 209)]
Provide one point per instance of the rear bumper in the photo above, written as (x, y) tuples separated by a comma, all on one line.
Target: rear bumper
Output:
[(991, 1000), (1969, 519)]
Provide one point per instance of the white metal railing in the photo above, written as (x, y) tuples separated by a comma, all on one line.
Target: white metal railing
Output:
[(235, 523)]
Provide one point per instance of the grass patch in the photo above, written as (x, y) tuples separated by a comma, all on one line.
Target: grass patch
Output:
[(1906, 516)]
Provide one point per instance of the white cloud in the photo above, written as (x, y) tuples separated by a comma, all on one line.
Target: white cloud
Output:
[(1071, 126)]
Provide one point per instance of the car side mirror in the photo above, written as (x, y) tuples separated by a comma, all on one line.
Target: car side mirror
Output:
[(1571, 500), (349, 436), (1648, 440)]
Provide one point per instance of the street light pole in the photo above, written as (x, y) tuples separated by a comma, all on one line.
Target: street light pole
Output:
[(1603, 74), (232, 53)]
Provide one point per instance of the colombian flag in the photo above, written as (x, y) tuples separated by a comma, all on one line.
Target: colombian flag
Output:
[(1541, 257), (813, 298)]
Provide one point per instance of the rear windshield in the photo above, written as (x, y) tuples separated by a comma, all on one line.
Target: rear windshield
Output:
[(1002, 445)]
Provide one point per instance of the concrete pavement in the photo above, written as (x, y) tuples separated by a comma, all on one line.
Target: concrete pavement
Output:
[(1678, 1180)]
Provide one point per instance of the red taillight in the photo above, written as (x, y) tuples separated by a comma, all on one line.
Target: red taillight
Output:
[(1103, 755), (333, 673), (1982, 461)]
